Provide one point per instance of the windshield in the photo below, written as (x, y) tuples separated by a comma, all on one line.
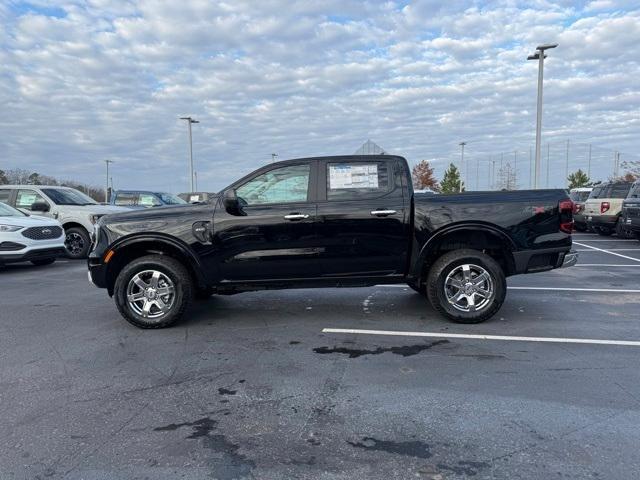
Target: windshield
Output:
[(579, 196), (170, 199), (68, 196), (7, 211)]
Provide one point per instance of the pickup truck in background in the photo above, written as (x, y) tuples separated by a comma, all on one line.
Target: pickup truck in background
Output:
[(345, 221)]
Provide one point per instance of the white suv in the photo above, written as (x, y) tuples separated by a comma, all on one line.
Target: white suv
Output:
[(23, 238), (76, 211)]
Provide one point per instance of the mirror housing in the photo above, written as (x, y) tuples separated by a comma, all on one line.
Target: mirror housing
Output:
[(231, 202), (40, 207)]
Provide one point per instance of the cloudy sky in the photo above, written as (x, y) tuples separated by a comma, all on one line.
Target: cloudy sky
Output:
[(85, 81)]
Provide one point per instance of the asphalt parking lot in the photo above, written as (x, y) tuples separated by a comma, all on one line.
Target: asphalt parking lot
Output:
[(254, 386)]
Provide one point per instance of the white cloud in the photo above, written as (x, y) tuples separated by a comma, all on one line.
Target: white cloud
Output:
[(84, 81)]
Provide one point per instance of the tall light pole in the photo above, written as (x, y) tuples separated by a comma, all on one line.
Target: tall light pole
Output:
[(462, 144), (106, 190), (189, 122), (540, 56)]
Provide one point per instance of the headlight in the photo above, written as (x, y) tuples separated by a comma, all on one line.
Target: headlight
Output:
[(10, 228)]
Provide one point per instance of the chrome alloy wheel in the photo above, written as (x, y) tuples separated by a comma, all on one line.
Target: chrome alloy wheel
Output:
[(151, 294), (74, 243), (469, 288)]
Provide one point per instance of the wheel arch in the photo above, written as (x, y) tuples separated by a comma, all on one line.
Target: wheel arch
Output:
[(476, 236), (129, 248), (74, 224)]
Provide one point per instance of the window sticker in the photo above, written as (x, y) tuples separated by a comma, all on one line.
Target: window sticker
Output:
[(353, 176)]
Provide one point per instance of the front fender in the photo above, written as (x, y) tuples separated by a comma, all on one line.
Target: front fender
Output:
[(164, 243)]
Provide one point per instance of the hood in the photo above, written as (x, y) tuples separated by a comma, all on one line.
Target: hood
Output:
[(156, 214), (31, 221)]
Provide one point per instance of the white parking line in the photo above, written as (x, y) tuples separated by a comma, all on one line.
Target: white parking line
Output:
[(606, 265), (587, 239), (551, 289), (607, 251), (577, 289), (611, 249), (630, 343)]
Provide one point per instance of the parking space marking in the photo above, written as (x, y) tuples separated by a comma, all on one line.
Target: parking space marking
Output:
[(611, 249), (552, 289), (591, 341), (605, 265), (577, 289), (587, 239), (607, 251)]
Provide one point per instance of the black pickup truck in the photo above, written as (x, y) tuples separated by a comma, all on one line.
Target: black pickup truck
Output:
[(343, 221)]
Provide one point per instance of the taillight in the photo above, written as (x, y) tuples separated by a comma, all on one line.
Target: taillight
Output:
[(566, 209), (604, 206)]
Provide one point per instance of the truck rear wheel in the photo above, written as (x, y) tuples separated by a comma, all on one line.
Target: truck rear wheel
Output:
[(466, 286), (153, 291)]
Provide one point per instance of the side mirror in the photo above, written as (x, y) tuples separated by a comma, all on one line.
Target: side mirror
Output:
[(231, 202), (39, 207)]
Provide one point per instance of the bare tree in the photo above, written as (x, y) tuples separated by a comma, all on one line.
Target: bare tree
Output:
[(507, 178)]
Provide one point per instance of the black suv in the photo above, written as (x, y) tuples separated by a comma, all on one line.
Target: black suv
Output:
[(631, 210)]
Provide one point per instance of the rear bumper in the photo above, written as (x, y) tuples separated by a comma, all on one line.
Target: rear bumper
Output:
[(570, 259), (541, 260), (608, 221), (35, 254)]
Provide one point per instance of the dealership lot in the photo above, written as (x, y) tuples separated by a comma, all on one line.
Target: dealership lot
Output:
[(289, 384)]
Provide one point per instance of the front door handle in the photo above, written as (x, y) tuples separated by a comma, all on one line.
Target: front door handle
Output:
[(295, 216), (382, 213)]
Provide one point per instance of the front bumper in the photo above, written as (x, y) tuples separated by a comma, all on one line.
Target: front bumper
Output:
[(632, 223), (33, 254), (97, 272)]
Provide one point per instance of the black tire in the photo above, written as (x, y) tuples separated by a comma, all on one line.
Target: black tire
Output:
[(447, 264), (604, 231), (178, 276), (43, 261), (622, 231), (637, 235), (77, 242)]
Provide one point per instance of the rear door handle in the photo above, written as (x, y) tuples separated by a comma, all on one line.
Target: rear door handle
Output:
[(295, 216), (382, 213)]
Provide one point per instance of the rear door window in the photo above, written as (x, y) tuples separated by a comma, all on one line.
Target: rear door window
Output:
[(620, 190), (355, 180)]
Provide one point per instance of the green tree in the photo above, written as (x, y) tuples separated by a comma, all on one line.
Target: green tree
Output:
[(578, 179), (3, 178), (451, 182)]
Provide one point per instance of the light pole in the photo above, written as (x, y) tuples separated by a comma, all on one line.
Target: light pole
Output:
[(106, 190), (540, 56), (462, 144), (189, 122)]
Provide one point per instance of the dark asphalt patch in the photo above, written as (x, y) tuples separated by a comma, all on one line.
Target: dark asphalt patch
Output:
[(226, 391), (410, 449), (405, 351)]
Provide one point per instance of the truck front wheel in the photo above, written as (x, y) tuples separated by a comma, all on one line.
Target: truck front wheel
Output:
[(153, 291), (466, 286)]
